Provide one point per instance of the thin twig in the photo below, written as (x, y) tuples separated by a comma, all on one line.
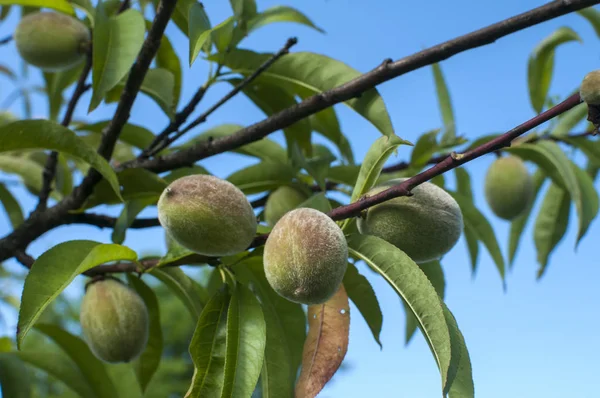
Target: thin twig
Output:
[(6, 40), (52, 160), (244, 83), (24, 258), (125, 5)]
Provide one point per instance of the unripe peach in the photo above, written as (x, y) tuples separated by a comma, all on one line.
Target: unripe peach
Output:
[(508, 187), (114, 321), (282, 200), (590, 88), (306, 256), (52, 41), (425, 225), (207, 215)]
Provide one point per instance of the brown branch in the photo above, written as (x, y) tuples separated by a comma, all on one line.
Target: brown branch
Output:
[(52, 160), (147, 264), (102, 221), (6, 40), (386, 71), (244, 83), (24, 258)]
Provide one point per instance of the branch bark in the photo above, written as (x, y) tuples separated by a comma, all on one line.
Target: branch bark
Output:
[(386, 71)]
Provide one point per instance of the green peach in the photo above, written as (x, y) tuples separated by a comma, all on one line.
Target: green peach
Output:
[(207, 215), (425, 225), (590, 88), (114, 321), (282, 200), (508, 187), (52, 41), (306, 256)]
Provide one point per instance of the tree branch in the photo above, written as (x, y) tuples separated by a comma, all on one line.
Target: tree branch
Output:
[(6, 40), (102, 221), (52, 160), (386, 71)]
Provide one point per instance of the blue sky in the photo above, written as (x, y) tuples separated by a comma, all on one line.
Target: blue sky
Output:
[(539, 338)]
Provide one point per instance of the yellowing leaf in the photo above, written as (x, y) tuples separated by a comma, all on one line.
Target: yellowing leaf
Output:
[(326, 344)]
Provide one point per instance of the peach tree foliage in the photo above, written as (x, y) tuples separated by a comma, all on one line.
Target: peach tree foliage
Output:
[(224, 327)]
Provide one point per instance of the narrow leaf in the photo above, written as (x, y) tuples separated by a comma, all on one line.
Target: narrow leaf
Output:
[(551, 224), (132, 134), (518, 225), (54, 270), (445, 104), (589, 201), (15, 379), (424, 149), (264, 176), (326, 344), (593, 17), (569, 120), (166, 58), (189, 292), (246, 338), (44, 134), (317, 73), (208, 347), (117, 41), (413, 286), (472, 241), (280, 14), (363, 296), (198, 30), (58, 5), (11, 206), (462, 386)]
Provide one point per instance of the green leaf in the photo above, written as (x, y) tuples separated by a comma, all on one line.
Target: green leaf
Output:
[(148, 362), (315, 72), (590, 148), (243, 9), (318, 202), (462, 386), (434, 272), (45, 134), (92, 369), (166, 58), (424, 149), (271, 98), (569, 120), (117, 42), (30, 172), (445, 104), (373, 162), (11, 206), (246, 338), (192, 294), (593, 17), (58, 5), (409, 281), (541, 65), (184, 171), (127, 217), (123, 376), (589, 201), (15, 378), (518, 225), (326, 343), (208, 347), (344, 174), (326, 123), (131, 134), (482, 227), (557, 165), (363, 296), (286, 332), (472, 241), (280, 14), (463, 182), (158, 84), (56, 83), (551, 223), (264, 176), (181, 16), (265, 149), (54, 270), (198, 30)]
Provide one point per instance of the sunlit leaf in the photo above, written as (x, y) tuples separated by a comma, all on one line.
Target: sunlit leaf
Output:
[(569, 120), (409, 281), (55, 269), (59, 5), (445, 104), (147, 364), (462, 386), (117, 41), (131, 134), (166, 58), (541, 65), (45, 134), (29, 171), (326, 343), (363, 296), (317, 73), (280, 14), (198, 30), (593, 17), (264, 176), (128, 215), (424, 149)]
